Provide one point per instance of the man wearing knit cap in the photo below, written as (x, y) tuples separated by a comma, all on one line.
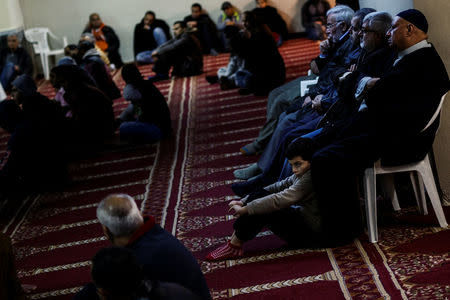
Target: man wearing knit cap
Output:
[(399, 106)]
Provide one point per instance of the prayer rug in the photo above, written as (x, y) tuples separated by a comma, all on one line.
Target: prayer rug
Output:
[(185, 183)]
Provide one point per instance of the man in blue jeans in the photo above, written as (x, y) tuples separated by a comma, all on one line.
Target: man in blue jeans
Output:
[(14, 61), (149, 34)]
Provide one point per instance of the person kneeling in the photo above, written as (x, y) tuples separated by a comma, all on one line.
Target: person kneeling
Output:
[(288, 208)]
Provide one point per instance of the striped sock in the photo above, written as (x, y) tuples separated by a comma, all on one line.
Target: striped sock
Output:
[(225, 251)]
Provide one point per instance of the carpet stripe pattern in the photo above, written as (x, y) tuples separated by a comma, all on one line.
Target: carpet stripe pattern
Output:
[(184, 182)]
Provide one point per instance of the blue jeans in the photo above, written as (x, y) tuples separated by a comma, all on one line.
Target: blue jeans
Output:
[(145, 57), (140, 132), (242, 78), (7, 75)]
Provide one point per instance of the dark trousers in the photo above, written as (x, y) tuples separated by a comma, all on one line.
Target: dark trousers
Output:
[(335, 169), (286, 223)]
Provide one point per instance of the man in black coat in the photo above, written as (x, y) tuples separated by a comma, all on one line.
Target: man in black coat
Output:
[(14, 61), (268, 15), (148, 35), (399, 105), (205, 29), (35, 158)]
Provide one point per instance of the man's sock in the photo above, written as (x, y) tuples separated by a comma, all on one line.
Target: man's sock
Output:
[(250, 149), (248, 172), (225, 251)]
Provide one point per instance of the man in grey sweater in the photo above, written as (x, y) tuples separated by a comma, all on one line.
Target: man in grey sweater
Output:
[(289, 208)]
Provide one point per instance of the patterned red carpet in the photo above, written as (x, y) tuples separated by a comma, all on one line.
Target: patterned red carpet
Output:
[(184, 182)]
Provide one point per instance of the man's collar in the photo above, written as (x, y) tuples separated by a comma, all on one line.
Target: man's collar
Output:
[(149, 223), (415, 47)]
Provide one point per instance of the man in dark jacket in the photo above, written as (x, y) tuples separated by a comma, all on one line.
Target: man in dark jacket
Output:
[(35, 149), (91, 61), (117, 274), (183, 52), (160, 254), (332, 54), (205, 29), (148, 35), (106, 39), (268, 15), (14, 61)]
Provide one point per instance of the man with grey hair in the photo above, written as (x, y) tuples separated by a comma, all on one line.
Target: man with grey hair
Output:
[(14, 61), (282, 97), (161, 255)]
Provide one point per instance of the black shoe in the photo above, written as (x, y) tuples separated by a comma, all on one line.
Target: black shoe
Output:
[(212, 79), (244, 91), (226, 84)]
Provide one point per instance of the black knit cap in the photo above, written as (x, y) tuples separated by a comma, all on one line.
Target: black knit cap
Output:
[(416, 18)]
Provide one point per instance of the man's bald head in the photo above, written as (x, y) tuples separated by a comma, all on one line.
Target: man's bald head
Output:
[(120, 214)]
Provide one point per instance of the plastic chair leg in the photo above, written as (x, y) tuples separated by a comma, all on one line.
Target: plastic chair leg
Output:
[(428, 180), (46, 68), (419, 191), (389, 189), (371, 204)]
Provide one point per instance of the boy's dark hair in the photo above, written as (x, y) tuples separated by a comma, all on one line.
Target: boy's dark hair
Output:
[(84, 46), (226, 5), (116, 270), (131, 74), (181, 23), (150, 12), (69, 48), (303, 147), (197, 5)]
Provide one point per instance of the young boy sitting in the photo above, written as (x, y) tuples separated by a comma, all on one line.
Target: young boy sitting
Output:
[(289, 208)]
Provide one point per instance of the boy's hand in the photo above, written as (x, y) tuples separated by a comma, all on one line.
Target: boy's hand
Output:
[(233, 203), (238, 210)]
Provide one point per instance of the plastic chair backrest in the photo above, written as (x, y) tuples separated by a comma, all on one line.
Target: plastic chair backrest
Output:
[(436, 113), (38, 38)]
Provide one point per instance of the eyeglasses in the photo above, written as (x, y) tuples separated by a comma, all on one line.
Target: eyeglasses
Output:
[(365, 30), (329, 25), (355, 29)]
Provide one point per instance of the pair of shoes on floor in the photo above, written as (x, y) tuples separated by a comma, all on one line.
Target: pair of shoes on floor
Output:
[(158, 77), (226, 84), (225, 251), (247, 173), (212, 79), (250, 149), (244, 91)]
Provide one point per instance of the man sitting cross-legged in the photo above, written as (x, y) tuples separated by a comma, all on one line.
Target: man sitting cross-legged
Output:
[(160, 254), (289, 208), (183, 52)]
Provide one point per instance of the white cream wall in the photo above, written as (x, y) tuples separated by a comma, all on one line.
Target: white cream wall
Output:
[(10, 15), (68, 17)]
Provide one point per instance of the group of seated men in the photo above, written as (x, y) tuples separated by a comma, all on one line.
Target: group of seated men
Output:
[(379, 83), (78, 122)]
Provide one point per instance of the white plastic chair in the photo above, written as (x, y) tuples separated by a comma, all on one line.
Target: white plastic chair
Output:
[(2, 93), (424, 172), (38, 38)]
